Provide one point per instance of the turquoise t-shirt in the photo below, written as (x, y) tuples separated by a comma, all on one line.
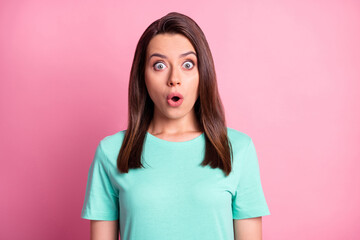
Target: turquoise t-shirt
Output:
[(174, 197)]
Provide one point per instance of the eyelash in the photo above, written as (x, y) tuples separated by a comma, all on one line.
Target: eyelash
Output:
[(164, 64)]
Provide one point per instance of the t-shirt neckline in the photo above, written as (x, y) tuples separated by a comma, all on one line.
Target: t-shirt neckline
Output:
[(159, 140)]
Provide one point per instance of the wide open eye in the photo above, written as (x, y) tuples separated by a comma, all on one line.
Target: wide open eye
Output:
[(188, 64), (159, 66)]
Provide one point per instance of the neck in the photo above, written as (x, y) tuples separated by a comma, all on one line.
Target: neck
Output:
[(161, 124)]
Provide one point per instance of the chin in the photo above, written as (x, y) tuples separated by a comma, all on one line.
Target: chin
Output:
[(175, 115)]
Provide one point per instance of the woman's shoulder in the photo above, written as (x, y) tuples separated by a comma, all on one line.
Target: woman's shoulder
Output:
[(112, 143), (115, 137), (238, 137)]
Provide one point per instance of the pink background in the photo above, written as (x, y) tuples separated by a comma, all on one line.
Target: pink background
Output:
[(288, 74)]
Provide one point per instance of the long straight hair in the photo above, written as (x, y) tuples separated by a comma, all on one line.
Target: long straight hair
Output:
[(208, 107)]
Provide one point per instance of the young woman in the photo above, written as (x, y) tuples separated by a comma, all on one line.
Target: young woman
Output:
[(177, 171)]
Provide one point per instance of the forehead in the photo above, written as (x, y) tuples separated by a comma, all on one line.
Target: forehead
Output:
[(168, 44)]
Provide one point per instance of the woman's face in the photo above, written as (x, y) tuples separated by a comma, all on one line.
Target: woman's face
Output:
[(171, 66)]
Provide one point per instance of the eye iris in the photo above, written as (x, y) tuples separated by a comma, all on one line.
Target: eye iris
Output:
[(159, 66)]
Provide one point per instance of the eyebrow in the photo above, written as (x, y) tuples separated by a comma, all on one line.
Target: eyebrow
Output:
[(163, 56)]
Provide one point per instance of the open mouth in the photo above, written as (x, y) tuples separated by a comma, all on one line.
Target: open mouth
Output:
[(175, 99)]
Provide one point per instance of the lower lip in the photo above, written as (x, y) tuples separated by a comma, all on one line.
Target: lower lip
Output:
[(175, 104)]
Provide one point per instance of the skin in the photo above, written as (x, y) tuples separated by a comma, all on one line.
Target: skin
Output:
[(164, 74), (248, 229), (104, 230)]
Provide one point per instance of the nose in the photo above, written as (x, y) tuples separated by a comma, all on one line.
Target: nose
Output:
[(174, 78)]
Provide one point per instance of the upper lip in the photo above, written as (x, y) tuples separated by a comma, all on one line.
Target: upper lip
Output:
[(174, 94)]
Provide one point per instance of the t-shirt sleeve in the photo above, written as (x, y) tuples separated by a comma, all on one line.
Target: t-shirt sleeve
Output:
[(101, 198), (249, 200)]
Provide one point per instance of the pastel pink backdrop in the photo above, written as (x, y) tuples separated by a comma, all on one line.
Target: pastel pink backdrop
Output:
[(288, 74)]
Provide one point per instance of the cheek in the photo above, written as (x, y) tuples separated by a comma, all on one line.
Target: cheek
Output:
[(153, 87), (149, 81), (195, 84)]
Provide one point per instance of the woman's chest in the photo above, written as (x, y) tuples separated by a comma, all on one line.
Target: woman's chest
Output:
[(172, 189)]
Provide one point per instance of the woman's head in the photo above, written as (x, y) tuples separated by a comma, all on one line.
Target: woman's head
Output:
[(174, 24)]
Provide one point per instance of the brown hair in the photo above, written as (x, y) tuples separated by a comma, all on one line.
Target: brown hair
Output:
[(208, 107)]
